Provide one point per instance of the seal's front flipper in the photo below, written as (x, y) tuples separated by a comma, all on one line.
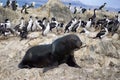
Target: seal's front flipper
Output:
[(71, 61)]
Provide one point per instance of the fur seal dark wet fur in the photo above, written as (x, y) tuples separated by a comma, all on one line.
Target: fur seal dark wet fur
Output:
[(59, 51), (37, 56)]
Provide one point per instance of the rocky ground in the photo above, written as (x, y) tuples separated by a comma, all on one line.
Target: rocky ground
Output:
[(100, 59)]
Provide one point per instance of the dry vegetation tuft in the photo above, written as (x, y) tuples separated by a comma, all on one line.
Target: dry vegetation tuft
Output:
[(7, 13)]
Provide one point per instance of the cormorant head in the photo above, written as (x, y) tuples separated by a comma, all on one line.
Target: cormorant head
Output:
[(105, 3), (36, 17), (53, 19), (7, 20), (44, 18), (83, 31), (22, 18), (75, 18), (95, 9), (79, 17), (30, 16), (69, 3), (118, 12), (90, 19)]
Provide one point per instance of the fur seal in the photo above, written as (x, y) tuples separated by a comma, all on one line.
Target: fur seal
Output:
[(59, 51)]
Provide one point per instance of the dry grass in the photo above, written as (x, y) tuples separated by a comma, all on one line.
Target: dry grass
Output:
[(7, 13)]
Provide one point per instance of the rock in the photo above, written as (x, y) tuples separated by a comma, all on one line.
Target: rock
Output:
[(12, 55), (115, 36), (34, 42), (34, 35), (7, 13), (109, 48), (111, 64), (51, 9)]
